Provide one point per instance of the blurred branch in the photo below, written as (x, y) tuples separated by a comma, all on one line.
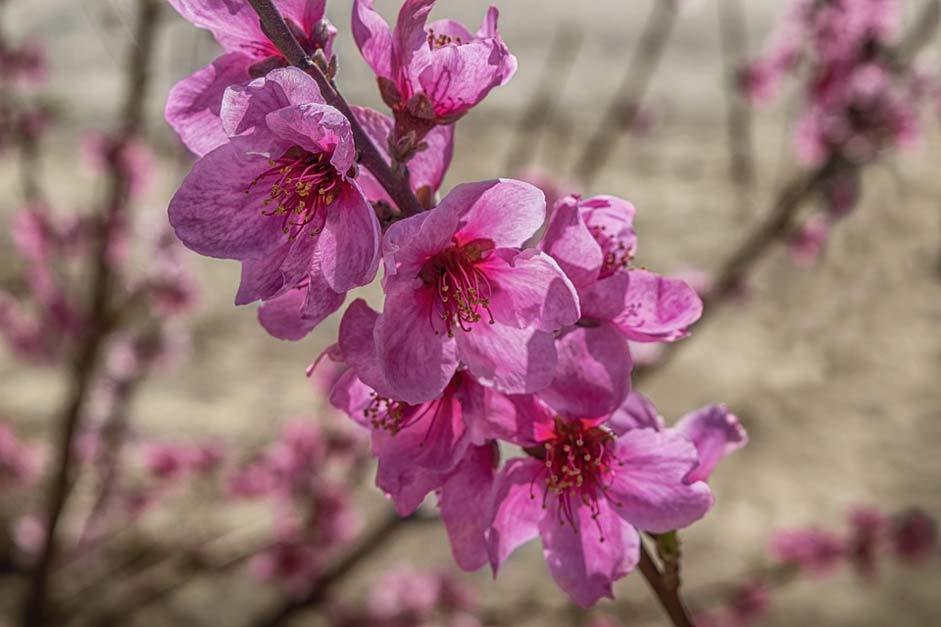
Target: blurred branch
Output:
[(273, 25), (733, 36), (538, 113), (86, 360), (379, 537), (626, 103)]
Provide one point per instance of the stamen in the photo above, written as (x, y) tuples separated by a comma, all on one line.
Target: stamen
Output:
[(461, 288)]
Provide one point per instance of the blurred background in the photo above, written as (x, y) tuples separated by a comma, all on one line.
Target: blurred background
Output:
[(833, 369)]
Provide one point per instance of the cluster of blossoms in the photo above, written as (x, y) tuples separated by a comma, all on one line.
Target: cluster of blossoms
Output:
[(22, 66), (488, 332), (860, 97), (403, 597), (910, 536), (19, 462), (306, 475)]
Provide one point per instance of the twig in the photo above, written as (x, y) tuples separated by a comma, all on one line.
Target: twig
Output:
[(733, 39), (319, 591), (538, 113), (273, 25), (87, 357), (624, 107), (668, 595)]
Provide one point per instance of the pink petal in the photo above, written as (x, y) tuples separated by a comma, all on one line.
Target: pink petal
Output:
[(357, 344), (416, 361), (349, 243), (636, 412), (351, 396), (409, 243), (407, 486), (504, 211), (465, 506), (517, 509), (658, 309), (213, 215), (530, 290), (649, 489), (715, 432), (274, 274), (585, 561), (372, 37), (517, 418), (409, 40), (194, 104), (246, 108), (458, 77), (571, 244), (233, 23), (514, 361), (614, 217), (604, 299), (593, 375), (317, 128), (296, 313)]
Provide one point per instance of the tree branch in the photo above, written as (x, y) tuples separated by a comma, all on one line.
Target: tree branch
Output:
[(668, 595)]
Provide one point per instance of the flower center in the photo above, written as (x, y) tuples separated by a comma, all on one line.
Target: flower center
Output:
[(462, 290), (440, 41), (386, 414), (303, 185), (617, 254), (580, 463)]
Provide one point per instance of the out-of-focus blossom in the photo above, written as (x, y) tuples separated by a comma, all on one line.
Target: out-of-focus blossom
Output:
[(20, 463), (914, 535), (814, 550), (808, 243), (868, 535)]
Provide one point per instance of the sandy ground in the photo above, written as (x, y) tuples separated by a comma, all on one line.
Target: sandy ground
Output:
[(834, 371)]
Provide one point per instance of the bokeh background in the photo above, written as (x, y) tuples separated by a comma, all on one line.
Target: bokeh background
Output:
[(834, 370)]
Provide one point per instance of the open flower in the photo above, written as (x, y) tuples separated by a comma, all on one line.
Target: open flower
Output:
[(594, 242), (459, 289), (434, 73), (278, 196), (586, 489), (194, 104)]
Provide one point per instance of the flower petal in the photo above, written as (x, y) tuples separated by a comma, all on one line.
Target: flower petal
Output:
[(194, 104), (571, 244), (514, 361), (658, 309), (715, 432), (372, 37), (416, 361), (584, 561), (234, 24), (504, 211), (529, 289), (593, 375), (636, 412), (517, 509), (317, 128), (648, 489), (349, 243), (357, 343), (217, 212), (297, 312), (465, 506), (456, 78)]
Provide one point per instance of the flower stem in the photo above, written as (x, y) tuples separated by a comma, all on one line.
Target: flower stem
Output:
[(667, 594), (273, 25)]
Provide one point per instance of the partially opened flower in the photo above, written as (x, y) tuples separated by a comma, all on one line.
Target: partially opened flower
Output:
[(278, 196), (194, 104), (587, 487), (459, 289), (430, 74), (594, 242)]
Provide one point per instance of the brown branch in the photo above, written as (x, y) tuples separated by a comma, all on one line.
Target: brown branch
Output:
[(667, 594), (86, 360), (733, 38), (369, 543), (273, 25), (538, 113), (624, 107)]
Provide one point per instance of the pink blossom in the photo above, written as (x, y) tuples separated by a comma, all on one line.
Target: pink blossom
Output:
[(132, 157), (194, 104), (914, 536), (590, 489), (459, 289), (290, 561), (20, 463), (869, 532), (28, 533), (715, 432), (430, 74), (808, 243), (277, 196), (594, 242), (814, 550)]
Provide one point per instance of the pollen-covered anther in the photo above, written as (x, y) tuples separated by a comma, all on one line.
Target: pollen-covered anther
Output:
[(461, 288), (293, 177)]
